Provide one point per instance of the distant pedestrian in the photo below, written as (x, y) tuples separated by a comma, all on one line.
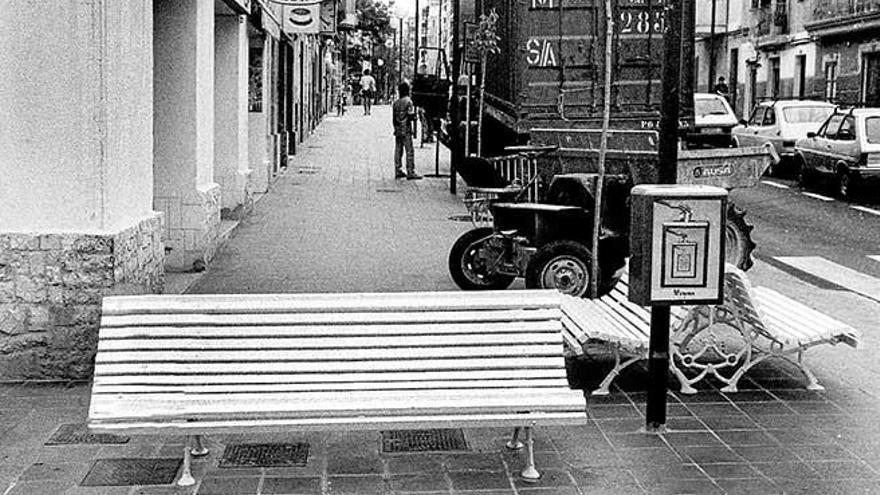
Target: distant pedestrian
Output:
[(368, 89), (721, 87), (343, 101), (403, 114)]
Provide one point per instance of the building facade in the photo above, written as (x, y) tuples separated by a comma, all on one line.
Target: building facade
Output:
[(816, 49), (128, 136)]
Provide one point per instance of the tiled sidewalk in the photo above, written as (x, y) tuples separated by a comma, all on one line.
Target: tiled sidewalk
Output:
[(338, 221)]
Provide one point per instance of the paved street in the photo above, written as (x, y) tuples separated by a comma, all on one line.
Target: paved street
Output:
[(337, 221)]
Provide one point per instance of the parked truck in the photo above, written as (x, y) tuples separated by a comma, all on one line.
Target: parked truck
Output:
[(545, 89)]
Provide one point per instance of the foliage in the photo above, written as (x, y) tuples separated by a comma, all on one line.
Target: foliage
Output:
[(374, 18), (485, 39)]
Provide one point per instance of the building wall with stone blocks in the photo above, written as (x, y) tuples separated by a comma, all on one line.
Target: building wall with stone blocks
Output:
[(51, 286)]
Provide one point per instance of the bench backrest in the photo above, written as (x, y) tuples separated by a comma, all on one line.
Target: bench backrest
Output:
[(222, 356)]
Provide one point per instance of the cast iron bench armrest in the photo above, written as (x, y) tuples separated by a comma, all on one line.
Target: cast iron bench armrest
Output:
[(770, 325)]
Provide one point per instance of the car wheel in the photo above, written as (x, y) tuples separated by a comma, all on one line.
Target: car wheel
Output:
[(804, 176), (561, 265), (468, 262), (845, 185)]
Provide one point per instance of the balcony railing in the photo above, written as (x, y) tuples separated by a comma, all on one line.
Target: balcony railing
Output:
[(832, 9)]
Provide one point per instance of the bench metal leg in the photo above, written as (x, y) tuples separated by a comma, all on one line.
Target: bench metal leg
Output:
[(811, 378), (186, 477), (530, 473), (198, 449), (514, 443), (604, 387)]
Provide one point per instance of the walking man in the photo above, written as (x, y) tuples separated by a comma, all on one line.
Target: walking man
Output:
[(403, 114), (368, 88)]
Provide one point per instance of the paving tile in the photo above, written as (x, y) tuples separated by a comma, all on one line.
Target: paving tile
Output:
[(228, 486), (99, 490), (763, 453), (635, 440), (740, 422), (38, 487), (163, 490), (680, 487), (822, 453), (681, 424), (651, 472), (292, 486), (631, 425), (515, 461), (55, 471), (746, 437), (558, 490), (729, 471), (351, 464), (786, 470), (479, 480), (749, 396), (419, 482), (614, 411), (710, 455), (851, 469), (356, 485), (801, 436), (550, 478), (414, 463), (692, 439), (475, 462), (725, 409), (814, 407), (749, 487)]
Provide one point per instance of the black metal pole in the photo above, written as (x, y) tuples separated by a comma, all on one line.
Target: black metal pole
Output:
[(455, 118), (400, 51), (416, 43), (712, 48), (658, 354)]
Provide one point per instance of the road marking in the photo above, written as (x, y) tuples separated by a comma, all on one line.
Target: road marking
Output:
[(847, 278), (866, 210), (817, 196), (774, 184)]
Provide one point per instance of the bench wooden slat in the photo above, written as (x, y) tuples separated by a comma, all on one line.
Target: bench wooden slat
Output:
[(555, 383), (193, 379), (269, 425), (320, 404), (317, 343), (346, 330), (182, 320), (602, 326), (799, 322), (417, 365), (317, 356), (329, 303)]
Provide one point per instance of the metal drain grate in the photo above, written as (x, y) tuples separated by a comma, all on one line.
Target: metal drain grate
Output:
[(436, 440), (389, 190), (131, 472), (246, 455), (78, 433)]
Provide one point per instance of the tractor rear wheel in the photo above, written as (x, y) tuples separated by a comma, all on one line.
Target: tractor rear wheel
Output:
[(738, 244)]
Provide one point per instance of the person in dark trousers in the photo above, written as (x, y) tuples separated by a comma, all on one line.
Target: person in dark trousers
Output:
[(721, 87), (403, 115), (368, 90)]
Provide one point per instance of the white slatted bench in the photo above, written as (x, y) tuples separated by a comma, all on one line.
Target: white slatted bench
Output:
[(195, 365), (765, 324)]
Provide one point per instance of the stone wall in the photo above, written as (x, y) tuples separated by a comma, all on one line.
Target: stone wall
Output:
[(51, 287)]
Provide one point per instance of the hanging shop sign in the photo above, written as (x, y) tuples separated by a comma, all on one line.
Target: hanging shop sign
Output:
[(302, 18)]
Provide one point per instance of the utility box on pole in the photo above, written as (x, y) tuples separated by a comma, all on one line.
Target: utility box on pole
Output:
[(677, 244)]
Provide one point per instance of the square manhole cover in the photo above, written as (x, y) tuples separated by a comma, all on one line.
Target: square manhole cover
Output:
[(131, 472), (436, 440), (78, 433), (245, 455)]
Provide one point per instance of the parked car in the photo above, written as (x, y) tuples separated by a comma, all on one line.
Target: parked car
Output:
[(779, 124), (846, 147), (713, 122)]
